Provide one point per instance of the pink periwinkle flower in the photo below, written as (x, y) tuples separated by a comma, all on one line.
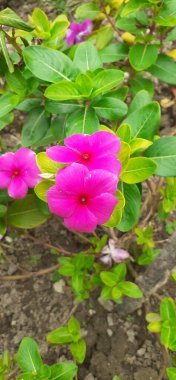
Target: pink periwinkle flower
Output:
[(111, 253), (77, 32), (96, 151), (83, 198), (18, 172)]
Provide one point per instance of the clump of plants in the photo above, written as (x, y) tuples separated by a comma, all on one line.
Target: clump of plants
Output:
[(90, 151)]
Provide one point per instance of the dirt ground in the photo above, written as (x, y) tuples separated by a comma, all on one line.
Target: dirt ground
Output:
[(34, 307)]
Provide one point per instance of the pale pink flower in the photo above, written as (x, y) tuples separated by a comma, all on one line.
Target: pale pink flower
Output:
[(83, 198), (111, 253), (96, 151), (77, 32), (18, 172)]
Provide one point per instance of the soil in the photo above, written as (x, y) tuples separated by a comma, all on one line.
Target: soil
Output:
[(35, 306)]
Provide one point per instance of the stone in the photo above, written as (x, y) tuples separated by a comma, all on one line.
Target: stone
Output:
[(59, 286), (106, 304)]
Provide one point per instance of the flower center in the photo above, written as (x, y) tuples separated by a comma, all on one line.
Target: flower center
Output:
[(83, 200), (15, 173), (85, 156)]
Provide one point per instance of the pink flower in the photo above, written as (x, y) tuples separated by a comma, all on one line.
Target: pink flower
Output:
[(111, 253), (77, 32), (18, 171), (96, 151), (83, 198)]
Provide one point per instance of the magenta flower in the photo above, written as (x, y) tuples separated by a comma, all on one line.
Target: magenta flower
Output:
[(18, 172), (111, 253), (96, 151), (83, 198), (77, 32)]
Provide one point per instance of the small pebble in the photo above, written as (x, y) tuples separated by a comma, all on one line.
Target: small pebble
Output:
[(106, 304), (59, 286), (109, 332)]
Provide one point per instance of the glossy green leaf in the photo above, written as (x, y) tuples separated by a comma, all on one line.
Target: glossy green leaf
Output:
[(143, 56), (78, 350), (63, 90), (108, 278), (5, 52), (124, 132), (105, 80), (9, 18), (8, 102), (132, 6), (6, 120), (82, 121), (25, 213), (110, 108), (163, 152), (139, 144), (120, 271), (28, 356), (64, 107), (131, 211), (171, 373), (114, 53), (164, 69), (47, 64), (60, 336), (42, 188), (35, 127), (117, 213), (130, 289), (46, 165), (63, 371), (145, 121), (139, 82), (141, 99), (86, 57), (137, 170), (89, 10), (168, 309)]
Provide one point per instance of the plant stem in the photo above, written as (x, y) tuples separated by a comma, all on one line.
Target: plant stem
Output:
[(41, 272), (102, 4), (12, 41)]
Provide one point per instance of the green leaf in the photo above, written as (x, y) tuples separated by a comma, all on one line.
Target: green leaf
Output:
[(28, 356), (172, 35), (139, 144), (133, 6), (17, 82), (106, 293), (63, 90), (108, 278), (141, 99), (8, 102), (103, 36), (40, 20), (84, 85), (64, 107), (74, 327), (163, 152), (131, 211), (42, 188), (137, 170), (67, 270), (88, 10), (35, 127), (167, 14), (59, 27), (57, 127), (130, 289), (145, 121), (9, 18), (116, 293), (63, 371), (6, 120), (120, 271), (78, 350), (24, 376), (168, 334), (86, 58), (25, 213), (114, 53), (28, 104), (168, 309), (117, 213), (164, 69), (5, 52), (171, 373), (124, 153), (3, 210), (110, 108), (59, 336), (124, 132), (82, 121), (105, 80), (143, 56), (46, 165), (154, 327), (47, 64), (153, 317), (139, 82)]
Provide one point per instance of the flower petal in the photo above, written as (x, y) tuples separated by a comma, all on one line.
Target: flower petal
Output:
[(70, 37), (24, 158), (17, 188), (102, 207), (107, 142), (31, 177), (100, 181), (109, 163), (79, 143), (119, 255), (87, 26), (4, 179), (71, 180), (82, 220), (60, 204), (7, 161), (62, 154)]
